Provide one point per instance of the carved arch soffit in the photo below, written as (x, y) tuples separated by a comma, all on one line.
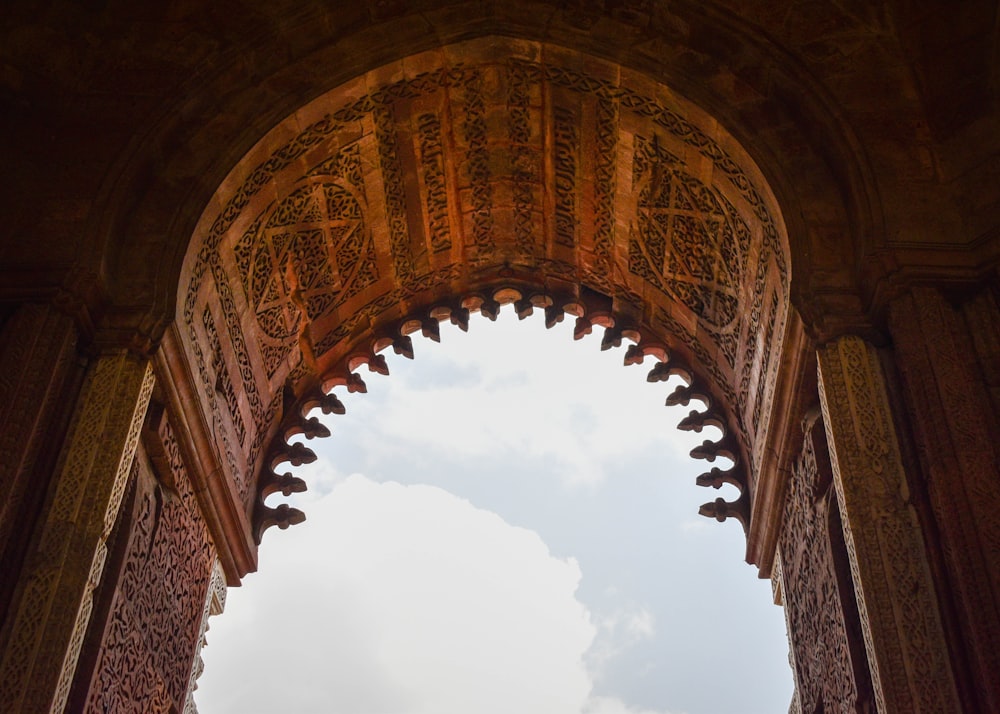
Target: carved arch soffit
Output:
[(487, 172)]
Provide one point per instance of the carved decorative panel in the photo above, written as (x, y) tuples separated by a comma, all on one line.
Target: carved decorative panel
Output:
[(477, 165), (566, 150), (432, 163), (829, 677), (223, 382), (526, 164), (691, 242), (309, 250), (215, 604), (156, 616)]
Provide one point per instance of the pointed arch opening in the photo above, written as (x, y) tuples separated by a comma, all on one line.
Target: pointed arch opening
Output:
[(454, 181), (510, 512)]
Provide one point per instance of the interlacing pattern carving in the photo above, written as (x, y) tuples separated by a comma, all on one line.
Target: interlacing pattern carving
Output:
[(694, 243), (155, 622), (477, 161), (896, 600), (304, 256), (526, 160), (223, 383), (604, 191), (307, 249), (215, 604), (812, 598)]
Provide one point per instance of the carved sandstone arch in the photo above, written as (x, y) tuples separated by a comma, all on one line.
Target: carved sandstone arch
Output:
[(453, 180), (874, 126), (773, 105)]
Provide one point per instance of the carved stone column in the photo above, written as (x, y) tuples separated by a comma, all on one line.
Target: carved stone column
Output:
[(900, 618), (42, 638), (949, 360), (37, 375)]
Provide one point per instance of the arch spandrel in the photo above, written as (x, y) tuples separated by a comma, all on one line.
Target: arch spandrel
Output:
[(451, 174)]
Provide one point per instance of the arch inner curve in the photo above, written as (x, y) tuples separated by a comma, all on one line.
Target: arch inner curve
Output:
[(496, 170)]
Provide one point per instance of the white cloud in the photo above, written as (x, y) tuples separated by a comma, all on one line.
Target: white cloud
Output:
[(618, 631), (405, 599), (611, 705), (586, 421)]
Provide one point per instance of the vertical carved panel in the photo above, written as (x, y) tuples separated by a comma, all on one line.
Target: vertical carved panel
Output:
[(223, 382), (604, 188), (48, 628), (818, 606), (525, 160), (155, 621), (237, 343), (433, 171), (951, 411), (477, 161), (904, 639), (395, 194), (566, 151)]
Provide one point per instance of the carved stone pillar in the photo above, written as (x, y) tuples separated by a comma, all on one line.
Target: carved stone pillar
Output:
[(43, 635), (949, 360), (900, 618), (37, 356)]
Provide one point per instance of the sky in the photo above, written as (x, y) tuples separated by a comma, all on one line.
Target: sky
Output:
[(508, 523)]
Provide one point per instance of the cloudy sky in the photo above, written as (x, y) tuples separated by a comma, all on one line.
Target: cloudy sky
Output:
[(506, 524)]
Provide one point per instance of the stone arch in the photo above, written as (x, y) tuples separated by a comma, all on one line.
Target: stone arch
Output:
[(808, 154), (874, 127), (459, 178)]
